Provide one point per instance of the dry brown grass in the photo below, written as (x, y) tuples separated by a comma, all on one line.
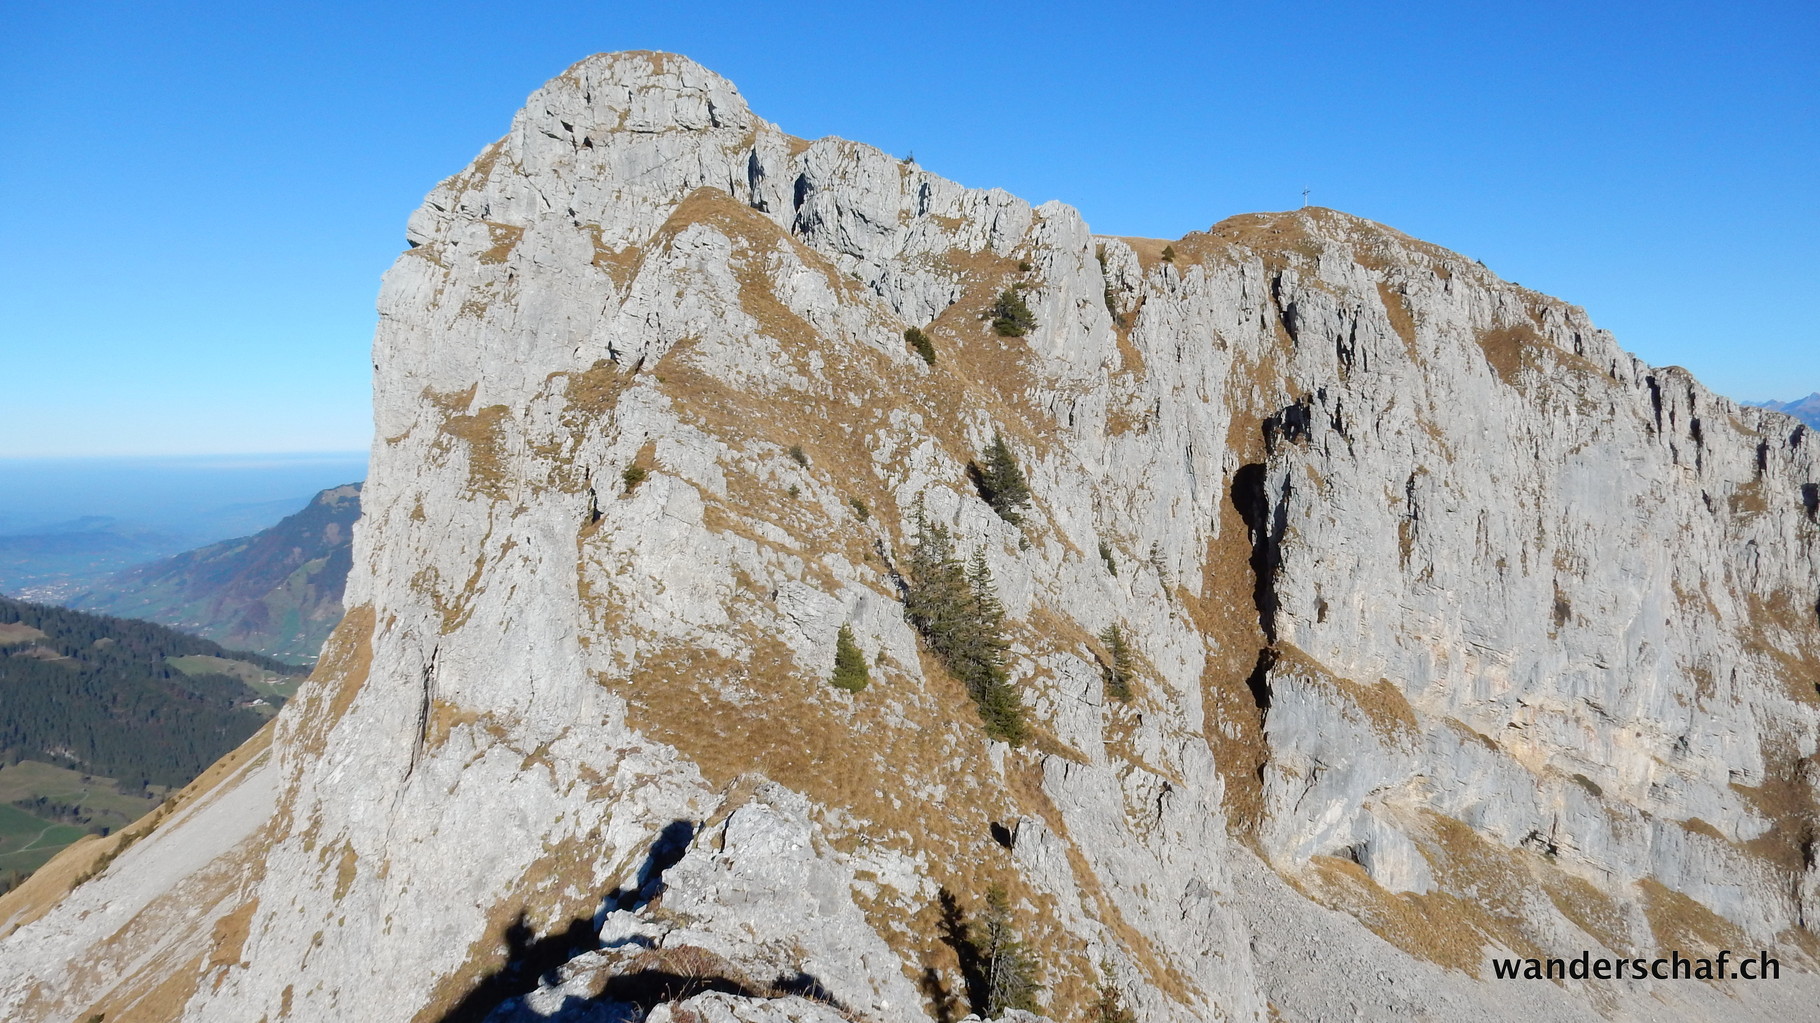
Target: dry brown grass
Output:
[(1402, 320), (229, 937), (1383, 704), (484, 435), (18, 632), (150, 997), (340, 673), (1478, 903), (504, 237), (1591, 910), (1780, 630), (1682, 924), (1748, 500), (1511, 350)]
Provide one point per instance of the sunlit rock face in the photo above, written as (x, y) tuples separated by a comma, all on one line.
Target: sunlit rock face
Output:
[(1456, 631)]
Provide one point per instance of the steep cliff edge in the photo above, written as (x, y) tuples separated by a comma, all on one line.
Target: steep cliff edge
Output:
[(1457, 631)]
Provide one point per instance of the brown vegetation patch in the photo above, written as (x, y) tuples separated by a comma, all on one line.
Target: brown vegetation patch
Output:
[(1780, 630), (478, 173), (1269, 235), (621, 265), (1696, 826), (340, 673), (1786, 802), (1591, 910), (1396, 307), (1511, 350), (1026, 780), (504, 237), (230, 936), (451, 402), (1682, 924), (555, 891), (1478, 903), (346, 870), (1747, 499), (18, 632), (754, 237), (1439, 927), (156, 992), (761, 713), (484, 434), (443, 719), (1384, 705)]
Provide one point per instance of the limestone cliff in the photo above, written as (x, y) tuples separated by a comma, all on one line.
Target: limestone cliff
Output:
[(1457, 631)]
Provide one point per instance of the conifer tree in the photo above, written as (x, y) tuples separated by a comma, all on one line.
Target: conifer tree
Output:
[(1009, 967), (849, 663), (937, 601), (958, 612), (920, 342), (1109, 1002), (1011, 316), (1120, 672), (1002, 482)]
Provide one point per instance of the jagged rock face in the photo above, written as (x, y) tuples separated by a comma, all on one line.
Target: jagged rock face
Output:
[(1460, 632)]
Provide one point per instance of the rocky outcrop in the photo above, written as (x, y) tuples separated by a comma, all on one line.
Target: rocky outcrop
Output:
[(1457, 632)]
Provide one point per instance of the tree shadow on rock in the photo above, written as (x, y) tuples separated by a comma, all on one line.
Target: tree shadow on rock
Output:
[(666, 852), (528, 960), (958, 935)]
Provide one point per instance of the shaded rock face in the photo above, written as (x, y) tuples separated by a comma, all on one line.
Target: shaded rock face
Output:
[(1456, 631)]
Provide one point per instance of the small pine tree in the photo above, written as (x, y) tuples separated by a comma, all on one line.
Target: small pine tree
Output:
[(849, 663), (633, 476), (1112, 565), (920, 342), (1011, 981), (1109, 1002), (957, 611), (859, 508), (1011, 317), (798, 456), (1002, 481), (1120, 671), (1169, 254)]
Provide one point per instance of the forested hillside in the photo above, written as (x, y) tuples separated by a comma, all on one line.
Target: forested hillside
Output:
[(100, 716)]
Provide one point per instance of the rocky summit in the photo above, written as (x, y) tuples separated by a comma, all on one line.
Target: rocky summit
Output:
[(1301, 620)]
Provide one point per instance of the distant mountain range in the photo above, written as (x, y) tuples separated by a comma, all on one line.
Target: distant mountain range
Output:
[(99, 717), (67, 523), (277, 591), (1805, 409)]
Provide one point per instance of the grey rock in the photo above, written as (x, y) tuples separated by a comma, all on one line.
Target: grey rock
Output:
[(1529, 669)]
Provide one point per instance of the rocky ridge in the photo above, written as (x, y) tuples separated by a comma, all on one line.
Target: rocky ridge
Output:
[(1460, 631)]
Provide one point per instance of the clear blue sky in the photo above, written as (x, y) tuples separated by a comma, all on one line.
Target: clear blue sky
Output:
[(200, 198)]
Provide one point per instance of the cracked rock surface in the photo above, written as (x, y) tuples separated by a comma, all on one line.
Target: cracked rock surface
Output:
[(1457, 631)]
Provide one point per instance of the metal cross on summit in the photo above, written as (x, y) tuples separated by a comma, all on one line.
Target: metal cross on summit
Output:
[(1304, 198)]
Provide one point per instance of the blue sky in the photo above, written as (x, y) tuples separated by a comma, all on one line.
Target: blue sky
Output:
[(202, 197)]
